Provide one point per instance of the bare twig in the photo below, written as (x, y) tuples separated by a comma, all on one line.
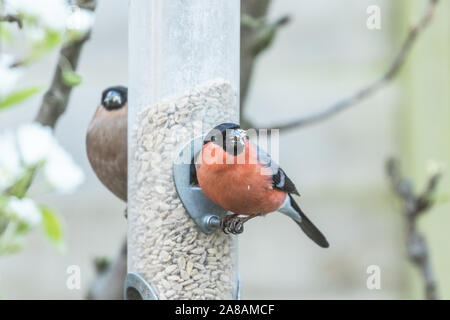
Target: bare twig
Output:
[(413, 207), (56, 98), (12, 18), (257, 35), (256, 9), (373, 87), (109, 283)]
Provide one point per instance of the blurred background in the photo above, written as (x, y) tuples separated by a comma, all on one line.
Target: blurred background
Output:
[(325, 53)]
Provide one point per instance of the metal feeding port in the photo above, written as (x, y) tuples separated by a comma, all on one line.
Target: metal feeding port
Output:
[(206, 214), (137, 288)]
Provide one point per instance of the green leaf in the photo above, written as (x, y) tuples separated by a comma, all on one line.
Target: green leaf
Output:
[(263, 39), (11, 247), (71, 78), (6, 35), (51, 40), (442, 198), (10, 240), (52, 226), (101, 264), (18, 97), (3, 200), (21, 186), (251, 22)]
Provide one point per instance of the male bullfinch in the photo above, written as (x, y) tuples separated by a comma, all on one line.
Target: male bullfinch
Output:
[(241, 178), (106, 140)]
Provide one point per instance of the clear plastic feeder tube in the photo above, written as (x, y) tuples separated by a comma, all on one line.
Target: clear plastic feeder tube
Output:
[(183, 81)]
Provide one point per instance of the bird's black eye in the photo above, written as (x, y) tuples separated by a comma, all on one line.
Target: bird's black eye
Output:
[(113, 100), (213, 138)]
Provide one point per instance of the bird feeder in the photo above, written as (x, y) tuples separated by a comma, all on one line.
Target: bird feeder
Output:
[(183, 81)]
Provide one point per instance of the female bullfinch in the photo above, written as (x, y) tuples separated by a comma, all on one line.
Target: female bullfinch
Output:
[(106, 140), (241, 178)]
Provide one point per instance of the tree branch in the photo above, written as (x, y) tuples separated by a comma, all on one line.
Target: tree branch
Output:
[(256, 9), (373, 87), (109, 283), (12, 19), (413, 207), (257, 34), (57, 96)]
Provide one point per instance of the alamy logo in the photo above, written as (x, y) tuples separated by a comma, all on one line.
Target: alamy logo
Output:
[(73, 281), (374, 279), (374, 19)]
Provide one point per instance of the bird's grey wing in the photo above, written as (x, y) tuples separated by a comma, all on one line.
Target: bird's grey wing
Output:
[(280, 180)]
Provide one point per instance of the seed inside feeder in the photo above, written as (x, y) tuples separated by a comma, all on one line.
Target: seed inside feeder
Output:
[(167, 248)]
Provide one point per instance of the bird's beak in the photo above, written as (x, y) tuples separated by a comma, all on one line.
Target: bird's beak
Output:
[(242, 135)]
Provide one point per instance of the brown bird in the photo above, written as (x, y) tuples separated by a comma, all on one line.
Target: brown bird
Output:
[(106, 140)]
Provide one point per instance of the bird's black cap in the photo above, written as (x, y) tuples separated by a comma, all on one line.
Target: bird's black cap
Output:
[(220, 130), (114, 97), (229, 136)]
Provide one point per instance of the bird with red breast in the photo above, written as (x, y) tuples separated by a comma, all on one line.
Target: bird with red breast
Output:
[(240, 177)]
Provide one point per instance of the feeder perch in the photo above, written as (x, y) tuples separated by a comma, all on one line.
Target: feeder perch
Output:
[(204, 212)]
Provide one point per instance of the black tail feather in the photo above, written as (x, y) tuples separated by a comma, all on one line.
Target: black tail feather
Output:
[(309, 228)]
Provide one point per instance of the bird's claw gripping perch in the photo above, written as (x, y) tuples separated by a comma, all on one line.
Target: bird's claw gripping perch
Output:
[(233, 224), (237, 226)]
